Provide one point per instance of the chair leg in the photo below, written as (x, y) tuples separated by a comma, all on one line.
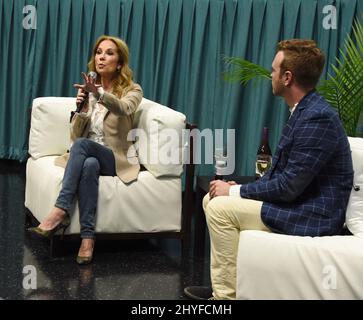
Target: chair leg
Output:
[(52, 247), (185, 247), (29, 219)]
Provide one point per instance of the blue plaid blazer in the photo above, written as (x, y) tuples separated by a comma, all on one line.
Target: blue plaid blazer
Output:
[(307, 188)]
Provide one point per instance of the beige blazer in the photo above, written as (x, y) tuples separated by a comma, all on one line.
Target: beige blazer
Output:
[(116, 126)]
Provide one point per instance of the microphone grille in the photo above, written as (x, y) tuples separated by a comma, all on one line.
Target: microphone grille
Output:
[(93, 75)]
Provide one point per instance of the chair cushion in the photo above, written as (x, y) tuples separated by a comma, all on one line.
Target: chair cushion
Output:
[(354, 214), (159, 138), (120, 207), (277, 266), (49, 130)]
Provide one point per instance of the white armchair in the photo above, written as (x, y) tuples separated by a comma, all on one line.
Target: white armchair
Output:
[(150, 207), (275, 266)]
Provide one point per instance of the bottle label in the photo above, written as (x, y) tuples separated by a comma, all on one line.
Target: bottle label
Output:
[(263, 163)]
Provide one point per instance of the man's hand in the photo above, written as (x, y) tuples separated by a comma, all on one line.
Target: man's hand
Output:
[(219, 188)]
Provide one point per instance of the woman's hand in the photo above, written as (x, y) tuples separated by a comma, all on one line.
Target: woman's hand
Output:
[(81, 96), (88, 86)]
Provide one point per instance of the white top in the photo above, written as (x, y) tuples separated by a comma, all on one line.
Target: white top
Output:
[(97, 114), (96, 128)]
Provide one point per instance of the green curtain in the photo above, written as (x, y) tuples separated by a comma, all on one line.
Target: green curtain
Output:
[(177, 49)]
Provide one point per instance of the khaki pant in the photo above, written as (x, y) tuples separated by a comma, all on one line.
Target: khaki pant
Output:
[(226, 216)]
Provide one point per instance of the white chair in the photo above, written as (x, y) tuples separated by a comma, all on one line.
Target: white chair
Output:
[(150, 207), (276, 266)]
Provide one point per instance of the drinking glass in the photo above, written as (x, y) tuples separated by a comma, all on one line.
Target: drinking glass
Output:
[(220, 163)]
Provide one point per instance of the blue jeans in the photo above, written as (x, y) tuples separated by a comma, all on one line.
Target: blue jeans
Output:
[(87, 161)]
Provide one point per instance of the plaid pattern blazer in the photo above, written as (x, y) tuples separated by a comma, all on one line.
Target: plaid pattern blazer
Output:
[(307, 188)]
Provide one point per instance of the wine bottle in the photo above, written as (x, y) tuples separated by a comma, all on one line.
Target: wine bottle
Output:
[(263, 158)]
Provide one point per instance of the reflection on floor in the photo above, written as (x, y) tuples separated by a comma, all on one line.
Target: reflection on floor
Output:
[(120, 270)]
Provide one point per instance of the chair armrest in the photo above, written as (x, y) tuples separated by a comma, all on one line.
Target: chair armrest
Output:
[(49, 129)]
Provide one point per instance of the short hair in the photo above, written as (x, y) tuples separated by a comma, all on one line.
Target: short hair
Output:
[(304, 59)]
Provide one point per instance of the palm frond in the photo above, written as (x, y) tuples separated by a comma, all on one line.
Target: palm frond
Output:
[(344, 89), (244, 71)]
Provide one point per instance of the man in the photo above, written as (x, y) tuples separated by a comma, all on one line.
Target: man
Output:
[(305, 192)]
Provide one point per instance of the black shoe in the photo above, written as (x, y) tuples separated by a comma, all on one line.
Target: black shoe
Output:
[(198, 292)]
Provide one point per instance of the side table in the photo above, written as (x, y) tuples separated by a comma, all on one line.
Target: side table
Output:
[(202, 188)]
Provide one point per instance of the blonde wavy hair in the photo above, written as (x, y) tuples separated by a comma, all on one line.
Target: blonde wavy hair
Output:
[(123, 79)]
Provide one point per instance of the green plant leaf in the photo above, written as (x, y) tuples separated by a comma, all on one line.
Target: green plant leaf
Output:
[(244, 71), (344, 89)]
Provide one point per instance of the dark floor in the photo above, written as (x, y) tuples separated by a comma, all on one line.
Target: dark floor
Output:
[(137, 269)]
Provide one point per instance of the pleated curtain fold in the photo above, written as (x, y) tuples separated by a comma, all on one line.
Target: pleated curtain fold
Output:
[(177, 49)]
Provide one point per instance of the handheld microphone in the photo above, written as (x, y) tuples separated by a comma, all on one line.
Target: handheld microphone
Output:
[(93, 76)]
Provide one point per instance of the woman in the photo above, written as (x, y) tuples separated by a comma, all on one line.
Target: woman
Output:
[(99, 135)]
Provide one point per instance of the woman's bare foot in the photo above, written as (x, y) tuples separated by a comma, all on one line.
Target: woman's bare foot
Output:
[(54, 218), (86, 248)]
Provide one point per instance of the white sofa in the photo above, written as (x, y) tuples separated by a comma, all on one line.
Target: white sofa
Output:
[(275, 266), (151, 205)]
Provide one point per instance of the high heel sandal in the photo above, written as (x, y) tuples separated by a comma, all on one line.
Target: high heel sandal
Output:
[(86, 260), (64, 224)]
